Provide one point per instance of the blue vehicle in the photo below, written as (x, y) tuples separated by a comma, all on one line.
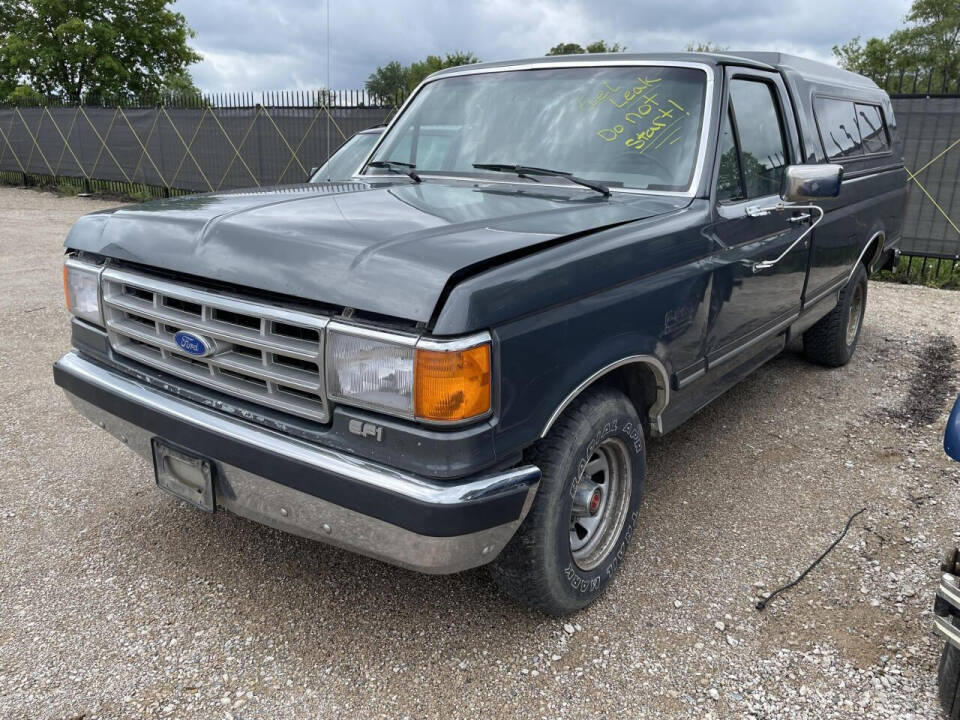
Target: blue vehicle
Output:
[(947, 604)]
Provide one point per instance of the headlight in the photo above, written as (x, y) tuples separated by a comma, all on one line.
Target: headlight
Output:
[(370, 369), (402, 375), (81, 286)]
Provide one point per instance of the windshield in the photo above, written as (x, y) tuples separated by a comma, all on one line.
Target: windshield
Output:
[(345, 162), (625, 126)]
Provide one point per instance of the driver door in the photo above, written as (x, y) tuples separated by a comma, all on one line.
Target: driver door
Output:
[(757, 141)]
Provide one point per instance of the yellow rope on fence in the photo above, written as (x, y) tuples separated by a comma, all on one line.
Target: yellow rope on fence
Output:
[(282, 137), (103, 143), (105, 147), (142, 148), (145, 153), (187, 148), (286, 167), (913, 176), (66, 143), (327, 109), (36, 145), (237, 148), (12, 151)]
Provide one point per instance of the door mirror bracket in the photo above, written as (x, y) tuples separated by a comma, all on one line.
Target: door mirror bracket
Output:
[(755, 211)]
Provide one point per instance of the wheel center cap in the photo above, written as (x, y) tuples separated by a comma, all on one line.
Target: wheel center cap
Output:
[(595, 498)]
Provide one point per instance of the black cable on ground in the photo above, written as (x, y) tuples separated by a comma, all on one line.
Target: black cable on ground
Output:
[(763, 603)]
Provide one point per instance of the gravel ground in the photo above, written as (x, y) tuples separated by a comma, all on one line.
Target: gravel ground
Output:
[(116, 601)]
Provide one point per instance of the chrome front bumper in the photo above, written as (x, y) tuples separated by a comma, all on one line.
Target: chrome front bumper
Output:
[(946, 606), (309, 490)]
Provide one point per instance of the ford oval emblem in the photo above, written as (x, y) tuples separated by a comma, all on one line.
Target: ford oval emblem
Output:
[(192, 344)]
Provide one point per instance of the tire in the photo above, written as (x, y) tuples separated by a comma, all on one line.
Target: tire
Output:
[(833, 340), (555, 562), (948, 679)]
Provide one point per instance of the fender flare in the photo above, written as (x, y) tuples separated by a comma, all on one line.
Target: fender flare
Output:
[(656, 410)]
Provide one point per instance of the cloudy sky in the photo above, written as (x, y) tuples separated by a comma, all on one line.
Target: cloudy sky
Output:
[(281, 45)]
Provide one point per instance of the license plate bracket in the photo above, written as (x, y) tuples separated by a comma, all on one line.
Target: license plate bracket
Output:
[(184, 475)]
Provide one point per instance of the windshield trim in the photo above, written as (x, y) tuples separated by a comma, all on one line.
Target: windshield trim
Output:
[(706, 121)]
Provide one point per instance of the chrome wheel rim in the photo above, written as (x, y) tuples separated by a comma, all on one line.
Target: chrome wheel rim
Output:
[(601, 499), (856, 310)]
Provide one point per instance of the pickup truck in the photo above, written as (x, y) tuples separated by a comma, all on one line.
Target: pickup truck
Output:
[(456, 358)]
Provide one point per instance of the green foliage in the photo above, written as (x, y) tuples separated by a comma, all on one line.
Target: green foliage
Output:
[(705, 47), (942, 274), (24, 95), (929, 42), (419, 70), (388, 81), (874, 59), (599, 46), (70, 189), (109, 49), (394, 80), (139, 195), (179, 83)]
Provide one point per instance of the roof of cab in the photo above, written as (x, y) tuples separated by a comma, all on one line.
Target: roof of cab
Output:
[(809, 69)]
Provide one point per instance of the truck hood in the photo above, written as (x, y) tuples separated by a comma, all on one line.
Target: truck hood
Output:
[(389, 248)]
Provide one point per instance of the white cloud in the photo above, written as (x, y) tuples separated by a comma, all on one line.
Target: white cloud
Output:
[(256, 45)]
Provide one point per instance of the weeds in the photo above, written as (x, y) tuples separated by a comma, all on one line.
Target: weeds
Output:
[(932, 272)]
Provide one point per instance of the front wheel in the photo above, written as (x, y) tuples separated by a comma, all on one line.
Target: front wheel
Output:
[(573, 540)]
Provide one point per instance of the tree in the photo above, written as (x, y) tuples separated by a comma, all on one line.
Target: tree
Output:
[(180, 84), (419, 70), (929, 43), (599, 46), (388, 81), (109, 49), (394, 79), (932, 40), (873, 59), (705, 47)]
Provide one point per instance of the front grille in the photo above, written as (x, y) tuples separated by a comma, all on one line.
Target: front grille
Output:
[(263, 353)]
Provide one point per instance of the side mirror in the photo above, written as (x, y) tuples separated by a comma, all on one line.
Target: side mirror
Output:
[(313, 171), (809, 182)]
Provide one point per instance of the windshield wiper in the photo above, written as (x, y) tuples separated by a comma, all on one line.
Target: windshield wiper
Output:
[(401, 168), (525, 170)]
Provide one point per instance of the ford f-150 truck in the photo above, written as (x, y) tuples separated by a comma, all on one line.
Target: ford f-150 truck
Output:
[(455, 358)]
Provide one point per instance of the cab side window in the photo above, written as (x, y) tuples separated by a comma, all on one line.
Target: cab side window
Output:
[(752, 149), (729, 182), (872, 129), (839, 129), (762, 152)]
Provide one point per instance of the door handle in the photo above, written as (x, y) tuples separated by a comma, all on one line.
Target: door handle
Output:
[(799, 218)]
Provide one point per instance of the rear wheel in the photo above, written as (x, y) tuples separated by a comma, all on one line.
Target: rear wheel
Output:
[(574, 538), (833, 340)]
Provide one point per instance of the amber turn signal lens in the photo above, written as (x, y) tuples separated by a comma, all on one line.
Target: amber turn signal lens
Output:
[(450, 386), (66, 287)]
